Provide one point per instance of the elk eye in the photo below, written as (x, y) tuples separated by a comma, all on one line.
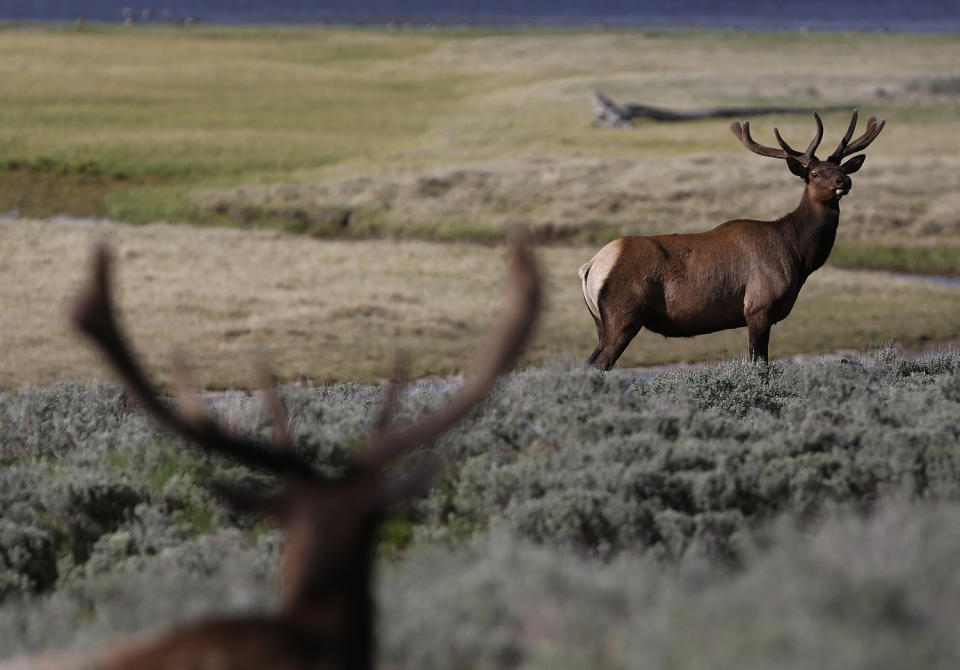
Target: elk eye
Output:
[(813, 174)]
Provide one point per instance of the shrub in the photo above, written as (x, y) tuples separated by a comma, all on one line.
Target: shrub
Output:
[(595, 498), (853, 592), (602, 462)]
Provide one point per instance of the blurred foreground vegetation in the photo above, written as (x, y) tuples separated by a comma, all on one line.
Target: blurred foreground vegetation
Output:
[(454, 134), (788, 516)]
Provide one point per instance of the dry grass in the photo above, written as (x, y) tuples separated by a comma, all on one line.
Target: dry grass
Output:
[(338, 310)]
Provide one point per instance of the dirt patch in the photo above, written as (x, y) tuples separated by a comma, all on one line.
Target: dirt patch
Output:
[(33, 192), (315, 221)]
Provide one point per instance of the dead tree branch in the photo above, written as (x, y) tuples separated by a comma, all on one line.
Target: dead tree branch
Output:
[(606, 111)]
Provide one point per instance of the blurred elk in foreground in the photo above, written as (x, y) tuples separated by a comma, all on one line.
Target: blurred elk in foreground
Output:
[(331, 525), (741, 273)]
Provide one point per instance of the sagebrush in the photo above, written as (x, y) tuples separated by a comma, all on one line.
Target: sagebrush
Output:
[(784, 514)]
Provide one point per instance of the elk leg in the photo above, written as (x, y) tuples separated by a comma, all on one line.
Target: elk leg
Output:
[(613, 342), (758, 333), (596, 352)]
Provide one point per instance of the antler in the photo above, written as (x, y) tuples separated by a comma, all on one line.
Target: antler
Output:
[(845, 148), (506, 342), (742, 131), (93, 314)]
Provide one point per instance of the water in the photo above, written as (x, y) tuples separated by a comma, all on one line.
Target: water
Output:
[(936, 279), (917, 15)]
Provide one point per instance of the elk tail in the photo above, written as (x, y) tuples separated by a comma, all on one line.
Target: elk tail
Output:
[(588, 296)]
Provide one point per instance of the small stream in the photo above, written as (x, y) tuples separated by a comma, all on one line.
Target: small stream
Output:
[(936, 279)]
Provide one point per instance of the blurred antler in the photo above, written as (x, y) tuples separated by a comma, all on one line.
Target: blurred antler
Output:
[(93, 314)]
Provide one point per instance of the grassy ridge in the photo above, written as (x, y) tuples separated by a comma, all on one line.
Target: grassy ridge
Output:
[(590, 517), (934, 259), (454, 134)]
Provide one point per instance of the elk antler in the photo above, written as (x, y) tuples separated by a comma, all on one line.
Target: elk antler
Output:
[(846, 147), (330, 525), (742, 131), (93, 314)]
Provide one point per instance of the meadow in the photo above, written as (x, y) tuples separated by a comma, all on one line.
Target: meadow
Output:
[(732, 516)]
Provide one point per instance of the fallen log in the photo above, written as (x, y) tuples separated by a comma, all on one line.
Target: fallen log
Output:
[(607, 111)]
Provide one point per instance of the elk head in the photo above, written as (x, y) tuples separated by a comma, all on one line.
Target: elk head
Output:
[(330, 523), (827, 180)]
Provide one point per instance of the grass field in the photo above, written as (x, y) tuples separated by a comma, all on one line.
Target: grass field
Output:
[(453, 134), (328, 310)]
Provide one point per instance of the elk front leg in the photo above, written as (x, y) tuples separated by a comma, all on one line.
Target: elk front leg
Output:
[(758, 333)]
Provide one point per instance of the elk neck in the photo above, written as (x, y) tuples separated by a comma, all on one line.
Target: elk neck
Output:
[(329, 593), (813, 229)]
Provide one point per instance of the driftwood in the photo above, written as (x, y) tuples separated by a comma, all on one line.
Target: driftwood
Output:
[(606, 110)]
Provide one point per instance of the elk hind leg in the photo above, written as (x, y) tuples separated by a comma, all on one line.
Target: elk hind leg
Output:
[(615, 334), (596, 352)]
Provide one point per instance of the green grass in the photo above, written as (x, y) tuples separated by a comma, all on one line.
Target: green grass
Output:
[(453, 134), (933, 259), (211, 105)]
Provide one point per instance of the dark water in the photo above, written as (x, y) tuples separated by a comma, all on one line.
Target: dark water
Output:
[(915, 15), (936, 279)]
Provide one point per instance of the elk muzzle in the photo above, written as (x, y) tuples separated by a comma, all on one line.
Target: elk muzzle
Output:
[(842, 185)]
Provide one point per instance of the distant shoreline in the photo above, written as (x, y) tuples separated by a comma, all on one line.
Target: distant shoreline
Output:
[(925, 16), (601, 22)]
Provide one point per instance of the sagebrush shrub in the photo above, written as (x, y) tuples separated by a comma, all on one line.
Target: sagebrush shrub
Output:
[(106, 520)]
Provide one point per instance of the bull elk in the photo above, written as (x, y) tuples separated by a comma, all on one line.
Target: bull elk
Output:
[(741, 273), (326, 614)]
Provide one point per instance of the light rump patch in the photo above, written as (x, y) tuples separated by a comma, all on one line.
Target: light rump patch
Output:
[(595, 272)]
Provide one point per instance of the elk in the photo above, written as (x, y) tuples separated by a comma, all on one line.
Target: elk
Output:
[(741, 273), (330, 524)]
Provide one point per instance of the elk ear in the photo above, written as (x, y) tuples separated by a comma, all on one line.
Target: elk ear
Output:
[(853, 164), (797, 168)]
